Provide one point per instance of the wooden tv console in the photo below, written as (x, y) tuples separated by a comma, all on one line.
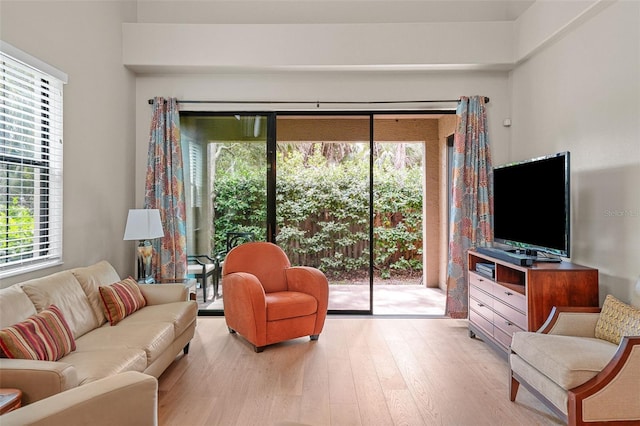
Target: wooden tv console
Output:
[(521, 297)]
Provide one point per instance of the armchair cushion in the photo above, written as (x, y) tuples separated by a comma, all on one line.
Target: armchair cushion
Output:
[(194, 269), (44, 336), (616, 320), (289, 304), (555, 356)]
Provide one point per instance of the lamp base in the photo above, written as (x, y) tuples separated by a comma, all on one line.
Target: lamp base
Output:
[(145, 254)]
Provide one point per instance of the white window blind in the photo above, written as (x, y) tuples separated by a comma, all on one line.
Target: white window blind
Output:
[(195, 172), (30, 167)]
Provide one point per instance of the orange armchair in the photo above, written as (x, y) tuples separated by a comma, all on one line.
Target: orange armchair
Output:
[(266, 300)]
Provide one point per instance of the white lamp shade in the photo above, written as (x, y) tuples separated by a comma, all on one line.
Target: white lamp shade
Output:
[(143, 224)]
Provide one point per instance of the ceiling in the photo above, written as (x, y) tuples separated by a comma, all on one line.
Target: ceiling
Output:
[(329, 11)]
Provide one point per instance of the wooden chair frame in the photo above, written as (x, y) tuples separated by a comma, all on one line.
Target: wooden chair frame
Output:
[(577, 396)]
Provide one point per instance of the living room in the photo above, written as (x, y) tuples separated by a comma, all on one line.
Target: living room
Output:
[(563, 73)]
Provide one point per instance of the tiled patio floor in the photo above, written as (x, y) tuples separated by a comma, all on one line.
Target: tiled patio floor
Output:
[(388, 299)]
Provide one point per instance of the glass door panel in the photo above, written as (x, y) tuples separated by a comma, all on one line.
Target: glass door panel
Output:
[(226, 189), (406, 225), (323, 201)]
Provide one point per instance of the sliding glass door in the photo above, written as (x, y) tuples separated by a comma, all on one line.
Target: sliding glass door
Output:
[(323, 201), (355, 195), (226, 161)]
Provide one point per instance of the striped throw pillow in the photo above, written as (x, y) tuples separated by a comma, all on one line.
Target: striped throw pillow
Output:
[(45, 336), (121, 299)]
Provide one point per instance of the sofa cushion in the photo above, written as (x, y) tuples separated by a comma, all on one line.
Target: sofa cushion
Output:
[(63, 290), (152, 338), (616, 320), (121, 299), (567, 360), (90, 278), (44, 336), (15, 306), (180, 314), (289, 304), (94, 365)]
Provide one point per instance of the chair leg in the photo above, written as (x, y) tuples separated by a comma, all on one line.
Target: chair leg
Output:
[(258, 349), (203, 284), (185, 350), (513, 388), (214, 278), (314, 336)]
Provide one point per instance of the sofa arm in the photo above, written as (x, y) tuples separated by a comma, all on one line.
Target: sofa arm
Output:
[(37, 379), (613, 394), (571, 321), (129, 398), (158, 294)]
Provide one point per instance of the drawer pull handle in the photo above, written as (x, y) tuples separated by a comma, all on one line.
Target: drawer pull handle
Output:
[(509, 323), (508, 293), (481, 305)]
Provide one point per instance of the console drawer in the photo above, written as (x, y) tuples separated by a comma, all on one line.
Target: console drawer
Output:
[(481, 282), (481, 296), (501, 337), (507, 326), (516, 317), (478, 320), (481, 309), (510, 297)]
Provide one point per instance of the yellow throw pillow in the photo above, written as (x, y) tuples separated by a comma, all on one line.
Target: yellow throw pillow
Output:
[(44, 336), (617, 319), (121, 299)]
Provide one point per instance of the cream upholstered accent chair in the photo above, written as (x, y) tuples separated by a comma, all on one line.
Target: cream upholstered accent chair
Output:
[(584, 363)]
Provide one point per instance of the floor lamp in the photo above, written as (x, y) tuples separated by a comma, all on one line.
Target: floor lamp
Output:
[(144, 225)]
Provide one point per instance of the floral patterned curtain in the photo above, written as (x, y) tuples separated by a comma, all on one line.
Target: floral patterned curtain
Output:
[(471, 214), (164, 190)]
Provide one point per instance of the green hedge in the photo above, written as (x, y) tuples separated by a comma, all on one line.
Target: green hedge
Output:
[(323, 212)]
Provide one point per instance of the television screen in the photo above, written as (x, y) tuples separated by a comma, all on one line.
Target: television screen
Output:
[(531, 204)]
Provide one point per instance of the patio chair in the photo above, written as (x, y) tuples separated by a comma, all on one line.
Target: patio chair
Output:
[(202, 267)]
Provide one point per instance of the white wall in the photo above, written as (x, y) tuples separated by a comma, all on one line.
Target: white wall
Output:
[(201, 48), (582, 93), (83, 39), (578, 90)]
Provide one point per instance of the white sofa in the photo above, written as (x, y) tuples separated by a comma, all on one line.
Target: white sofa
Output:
[(147, 341), (125, 399)]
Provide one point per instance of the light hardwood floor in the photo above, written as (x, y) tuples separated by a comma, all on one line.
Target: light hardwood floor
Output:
[(404, 299), (362, 371)]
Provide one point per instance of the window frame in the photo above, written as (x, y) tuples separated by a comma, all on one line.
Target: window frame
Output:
[(31, 160)]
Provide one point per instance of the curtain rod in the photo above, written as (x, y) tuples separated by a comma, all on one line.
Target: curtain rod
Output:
[(317, 103)]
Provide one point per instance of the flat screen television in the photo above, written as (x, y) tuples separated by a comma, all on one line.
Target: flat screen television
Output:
[(531, 205)]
